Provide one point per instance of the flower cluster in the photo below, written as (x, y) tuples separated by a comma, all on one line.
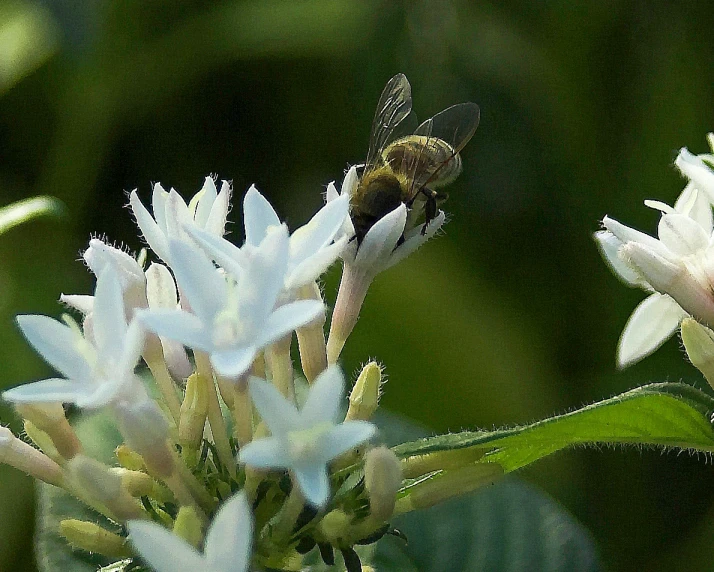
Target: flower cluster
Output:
[(676, 268), (224, 414)]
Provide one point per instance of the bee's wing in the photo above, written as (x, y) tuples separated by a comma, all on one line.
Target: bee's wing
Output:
[(394, 105), (455, 125)]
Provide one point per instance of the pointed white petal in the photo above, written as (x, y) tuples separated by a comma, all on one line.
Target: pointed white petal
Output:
[(314, 484), (660, 206), (415, 239), (681, 234), (319, 232), (609, 246), (109, 318), (265, 453), (198, 279), (160, 287), (52, 390), (177, 216), (699, 208), (288, 318), (234, 362), (627, 234), (177, 325), (279, 414), (159, 198), (258, 216), (380, 241), (696, 170), (344, 437), (59, 345), (163, 550), (206, 197), (79, 302), (153, 235), (325, 398), (229, 538), (332, 193), (263, 276), (216, 223), (311, 268), (349, 184), (133, 345), (224, 253), (653, 321)]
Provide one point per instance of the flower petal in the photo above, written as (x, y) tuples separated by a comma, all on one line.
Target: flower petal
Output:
[(265, 453), (198, 279), (206, 197), (216, 223), (380, 241), (325, 398), (234, 362), (653, 321), (224, 253), (627, 234), (319, 232), (109, 321), (177, 325), (681, 234), (344, 437), (59, 345), (52, 390), (415, 239), (153, 234), (609, 246), (229, 538), (697, 171), (314, 483), (288, 318), (312, 267), (163, 550), (279, 414), (258, 216)]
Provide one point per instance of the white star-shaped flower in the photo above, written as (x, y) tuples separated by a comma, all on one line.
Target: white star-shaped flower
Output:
[(207, 211), (313, 247), (226, 549), (304, 441), (677, 268), (99, 366), (232, 320)]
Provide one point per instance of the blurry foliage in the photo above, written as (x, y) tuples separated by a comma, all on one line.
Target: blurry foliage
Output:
[(509, 317)]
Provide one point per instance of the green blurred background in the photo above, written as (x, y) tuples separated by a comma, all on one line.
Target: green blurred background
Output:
[(509, 317)]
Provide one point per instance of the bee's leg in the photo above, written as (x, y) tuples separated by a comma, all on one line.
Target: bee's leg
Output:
[(430, 209)]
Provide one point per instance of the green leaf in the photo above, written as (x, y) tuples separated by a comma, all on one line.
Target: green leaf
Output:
[(668, 415), (507, 526), (28, 209)]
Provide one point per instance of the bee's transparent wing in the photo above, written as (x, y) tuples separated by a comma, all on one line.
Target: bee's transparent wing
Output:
[(394, 105), (455, 125)]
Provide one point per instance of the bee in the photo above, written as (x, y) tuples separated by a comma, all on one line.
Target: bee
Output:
[(409, 168)]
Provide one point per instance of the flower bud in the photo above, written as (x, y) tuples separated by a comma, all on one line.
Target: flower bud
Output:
[(311, 338), (27, 459), (91, 537), (188, 526), (129, 459), (193, 412), (382, 479), (449, 484), (50, 418), (145, 430), (95, 480), (699, 344), (364, 397), (136, 483), (42, 441)]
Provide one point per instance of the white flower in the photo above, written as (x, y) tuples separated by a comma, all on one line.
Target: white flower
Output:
[(313, 247), (381, 247), (98, 368), (226, 549), (305, 441), (207, 211), (232, 321), (677, 267)]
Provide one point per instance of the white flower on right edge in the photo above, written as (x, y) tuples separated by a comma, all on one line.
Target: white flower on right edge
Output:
[(227, 547), (305, 441), (677, 267)]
